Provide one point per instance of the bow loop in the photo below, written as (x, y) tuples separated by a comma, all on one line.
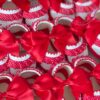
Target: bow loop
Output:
[(48, 88), (8, 44)]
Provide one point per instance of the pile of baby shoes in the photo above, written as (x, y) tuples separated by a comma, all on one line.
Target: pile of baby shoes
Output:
[(49, 50)]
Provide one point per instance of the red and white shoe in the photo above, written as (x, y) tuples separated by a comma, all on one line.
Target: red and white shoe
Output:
[(92, 37), (9, 14), (52, 83), (52, 57), (73, 50), (85, 8), (72, 81), (65, 9), (36, 12), (24, 60)]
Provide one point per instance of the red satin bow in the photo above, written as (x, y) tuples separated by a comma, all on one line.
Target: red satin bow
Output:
[(23, 4), (36, 43), (8, 44), (80, 83), (18, 90), (48, 87), (96, 73)]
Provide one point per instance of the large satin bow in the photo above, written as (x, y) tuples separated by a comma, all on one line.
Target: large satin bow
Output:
[(23, 4), (36, 43), (48, 87), (79, 83), (8, 44), (18, 90), (96, 73)]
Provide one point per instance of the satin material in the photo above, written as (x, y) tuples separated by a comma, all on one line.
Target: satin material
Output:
[(79, 83), (8, 44), (36, 43), (18, 90), (96, 73), (93, 29), (23, 4), (48, 87), (78, 26)]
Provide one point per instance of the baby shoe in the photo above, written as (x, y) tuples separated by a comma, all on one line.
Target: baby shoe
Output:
[(30, 75), (10, 13), (50, 84), (59, 9), (75, 81), (36, 12), (23, 60), (45, 50), (95, 80), (83, 8), (78, 47), (92, 37)]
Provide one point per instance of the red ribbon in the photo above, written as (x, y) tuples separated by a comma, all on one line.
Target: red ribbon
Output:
[(23, 4), (96, 73), (48, 87), (55, 4), (78, 26), (79, 83), (45, 4), (8, 44), (36, 43), (18, 90), (93, 29)]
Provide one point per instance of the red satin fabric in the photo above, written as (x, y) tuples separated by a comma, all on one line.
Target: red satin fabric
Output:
[(79, 83), (45, 4), (96, 73), (8, 44), (48, 87), (55, 4), (93, 29), (18, 90), (34, 42), (78, 26), (23, 4)]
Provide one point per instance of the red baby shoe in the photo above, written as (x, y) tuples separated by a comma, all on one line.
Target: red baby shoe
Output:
[(10, 13), (36, 12), (76, 45), (45, 50), (23, 60)]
